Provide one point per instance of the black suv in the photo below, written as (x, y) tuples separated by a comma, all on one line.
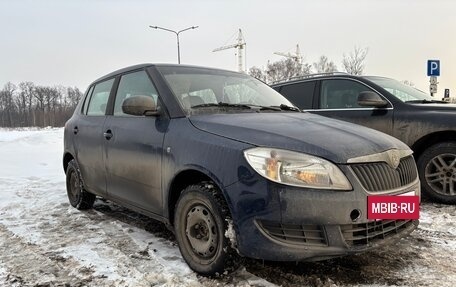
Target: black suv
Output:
[(428, 126), (232, 166)]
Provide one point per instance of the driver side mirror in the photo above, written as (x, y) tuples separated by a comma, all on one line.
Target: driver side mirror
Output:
[(371, 99), (140, 106)]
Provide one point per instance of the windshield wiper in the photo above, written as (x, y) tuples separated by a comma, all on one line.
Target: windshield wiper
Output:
[(262, 108), (427, 101), (223, 105), (284, 107)]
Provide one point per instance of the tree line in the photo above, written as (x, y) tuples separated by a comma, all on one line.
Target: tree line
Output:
[(30, 105), (353, 63)]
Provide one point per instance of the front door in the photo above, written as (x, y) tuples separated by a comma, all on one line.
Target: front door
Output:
[(338, 98), (134, 147)]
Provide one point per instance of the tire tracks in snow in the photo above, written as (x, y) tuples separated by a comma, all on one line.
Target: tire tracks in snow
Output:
[(27, 264)]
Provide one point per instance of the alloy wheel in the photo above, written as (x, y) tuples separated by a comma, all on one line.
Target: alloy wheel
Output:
[(440, 174)]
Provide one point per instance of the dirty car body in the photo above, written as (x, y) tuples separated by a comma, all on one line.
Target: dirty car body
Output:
[(220, 151)]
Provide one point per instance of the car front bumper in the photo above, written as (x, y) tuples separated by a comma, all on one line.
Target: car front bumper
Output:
[(282, 223)]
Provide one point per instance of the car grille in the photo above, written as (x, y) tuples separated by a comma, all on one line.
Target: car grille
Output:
[(379, 176), (295, 233), (366, 233)]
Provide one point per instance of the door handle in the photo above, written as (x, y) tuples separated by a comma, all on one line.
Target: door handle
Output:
[(108, 134), (75, 130)]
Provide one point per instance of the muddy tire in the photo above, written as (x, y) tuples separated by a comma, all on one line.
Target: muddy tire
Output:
[(437, 170), (201, 219), (77, 195)]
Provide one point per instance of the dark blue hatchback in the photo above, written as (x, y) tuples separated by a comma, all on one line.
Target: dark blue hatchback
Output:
[(232, 166)]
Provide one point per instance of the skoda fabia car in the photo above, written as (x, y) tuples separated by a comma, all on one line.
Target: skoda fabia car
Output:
[(232, 166)]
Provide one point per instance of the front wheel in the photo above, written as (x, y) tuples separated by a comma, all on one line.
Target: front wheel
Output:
[(437, 170), (200, 221)]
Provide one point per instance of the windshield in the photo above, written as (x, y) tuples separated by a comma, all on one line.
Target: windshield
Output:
[(202, 88), (401, 91)]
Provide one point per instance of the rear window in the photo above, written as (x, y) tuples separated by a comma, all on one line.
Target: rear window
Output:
[(86, 101), (99, 100), (300, 94)]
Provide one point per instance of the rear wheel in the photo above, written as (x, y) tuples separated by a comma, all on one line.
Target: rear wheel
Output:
[(201, 220), (78, 197), (437, 169)]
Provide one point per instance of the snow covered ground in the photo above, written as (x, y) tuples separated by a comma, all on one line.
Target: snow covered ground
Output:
[(46, 242)]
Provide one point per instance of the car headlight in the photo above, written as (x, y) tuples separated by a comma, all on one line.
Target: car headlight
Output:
[(296, 169)]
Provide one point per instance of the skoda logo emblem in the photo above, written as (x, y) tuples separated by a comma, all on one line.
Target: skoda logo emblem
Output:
[(394, 159)]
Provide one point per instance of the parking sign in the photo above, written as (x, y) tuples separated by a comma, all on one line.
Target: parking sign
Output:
[(433, 68)]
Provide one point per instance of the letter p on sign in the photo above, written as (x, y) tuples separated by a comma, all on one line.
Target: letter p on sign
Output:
[(433, 68)]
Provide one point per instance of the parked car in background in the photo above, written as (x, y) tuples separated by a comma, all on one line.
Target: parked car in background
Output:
[(427, 125), (232, 166)]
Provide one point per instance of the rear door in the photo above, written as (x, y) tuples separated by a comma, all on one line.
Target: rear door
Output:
[(89, 137), (338, 98), (134, 147), (300, 94)]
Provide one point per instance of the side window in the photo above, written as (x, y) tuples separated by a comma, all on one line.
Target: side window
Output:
[(134, 84), (99, 98), (340, 94), (86, 100), (300, 94)]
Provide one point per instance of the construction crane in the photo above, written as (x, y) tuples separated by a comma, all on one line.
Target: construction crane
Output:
[(240, 46), (296, 56)]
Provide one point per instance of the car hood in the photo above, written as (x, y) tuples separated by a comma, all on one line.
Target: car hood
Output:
[(332, 139)]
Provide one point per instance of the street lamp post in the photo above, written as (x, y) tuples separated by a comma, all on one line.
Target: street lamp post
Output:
[(177, 35)]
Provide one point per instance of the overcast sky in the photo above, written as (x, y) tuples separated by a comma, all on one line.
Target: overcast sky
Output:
[(74, 42)]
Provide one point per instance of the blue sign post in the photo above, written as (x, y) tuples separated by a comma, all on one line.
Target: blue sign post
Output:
[(433, 71), (433, 68)]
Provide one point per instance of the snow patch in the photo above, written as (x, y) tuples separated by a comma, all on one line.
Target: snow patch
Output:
[(230, 233)]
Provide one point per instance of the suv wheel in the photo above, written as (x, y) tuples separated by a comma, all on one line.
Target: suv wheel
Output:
[(200, 220), (437, 169), (79, 198)]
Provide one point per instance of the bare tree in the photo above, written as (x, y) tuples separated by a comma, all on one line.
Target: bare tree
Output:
[(30, 105), (24, 102), (40, 96), (306, 69), (27, 91), (354, 62), (281, 70), (8, 104), (324, 65), (286, 69), (257, 73), (74, 96), (276, 71), (51, 95), (2, 108)]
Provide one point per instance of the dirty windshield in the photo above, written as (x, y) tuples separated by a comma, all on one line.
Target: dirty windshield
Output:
[(208, 90)]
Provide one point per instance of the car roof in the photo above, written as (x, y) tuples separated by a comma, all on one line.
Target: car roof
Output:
[(320, 76), (146, 65), (298, 79)]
